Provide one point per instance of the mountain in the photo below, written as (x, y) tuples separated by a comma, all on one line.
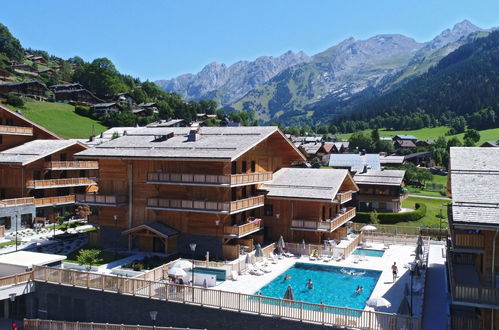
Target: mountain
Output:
[(226, 84)]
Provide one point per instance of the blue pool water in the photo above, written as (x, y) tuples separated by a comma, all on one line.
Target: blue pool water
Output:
[(332, 285), (369, 252)]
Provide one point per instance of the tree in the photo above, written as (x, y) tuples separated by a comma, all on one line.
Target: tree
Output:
[(385, 146), (83, 211), (472, 134), (88, 258), (15, 100), (9, 45), (375, 136), (360, 141), (468, 142), (100, 77), (423, 175), (373, 218), (316, 163)]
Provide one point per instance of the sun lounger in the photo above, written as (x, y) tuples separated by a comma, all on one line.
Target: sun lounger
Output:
[(254, 271), (263, 267), (235, 275), (327, 259), (356, 259)]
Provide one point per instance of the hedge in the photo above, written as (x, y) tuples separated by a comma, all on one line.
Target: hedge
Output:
[(393, 218)]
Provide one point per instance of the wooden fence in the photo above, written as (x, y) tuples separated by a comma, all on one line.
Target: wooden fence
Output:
[(62, 165), (4, 129), (408, 230), (59, 183), (229, 301), (299, 248), (243, 229), (208, 179), (69, 199), (15, 279), (36, 324)]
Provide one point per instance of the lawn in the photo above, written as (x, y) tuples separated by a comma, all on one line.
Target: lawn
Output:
[(61, 119), (437, 179), (106, 256), (432, 211), (9, 243)]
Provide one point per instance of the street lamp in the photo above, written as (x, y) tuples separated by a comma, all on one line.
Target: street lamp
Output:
[(12, 297), (55, 218), (412, 274), (17, 218), (440, 223), (115, 217), (193, 249), (153, 315)]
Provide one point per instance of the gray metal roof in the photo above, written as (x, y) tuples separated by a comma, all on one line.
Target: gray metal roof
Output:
[(306, 183), (391, 159), (210, 143), (33, 150), (382, 178), (475, 214), (474, 159), (355, 162), (311, 148)]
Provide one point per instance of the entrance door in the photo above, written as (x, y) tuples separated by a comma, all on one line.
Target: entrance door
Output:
[(158, 245)]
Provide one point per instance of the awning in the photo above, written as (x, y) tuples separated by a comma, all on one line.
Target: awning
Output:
[(154, 227)]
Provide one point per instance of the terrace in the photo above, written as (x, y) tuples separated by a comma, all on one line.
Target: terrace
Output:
[(71, 165), (238, 231), (102, 200), (59, 183), (57, 200), (204, 206), (16, 130), (329, 225), (344, 196), (233, 180)]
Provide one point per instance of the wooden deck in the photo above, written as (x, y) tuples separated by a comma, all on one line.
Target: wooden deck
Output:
[(243, 230), (205, 206), (36, 324), (57, 200), (324, 226), (101, 200), (72, 165), (209, 180), (16, 130), (17, 201), (59, 183)]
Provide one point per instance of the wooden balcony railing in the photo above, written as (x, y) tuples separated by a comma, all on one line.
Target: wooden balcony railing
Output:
[(207, 179), (56, 183), (465, 323), (343, 197), (72, 165), (57, 200), (205, 206), (36, 324), (243, 230), (104, 200), (468, 241), (328, 225), (16, 201), (16, 130), (15, 279)]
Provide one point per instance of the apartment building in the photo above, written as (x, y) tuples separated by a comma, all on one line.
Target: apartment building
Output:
[(472, 256)]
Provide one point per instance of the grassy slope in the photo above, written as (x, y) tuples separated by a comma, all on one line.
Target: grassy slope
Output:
[(432, 210), (61, 119)]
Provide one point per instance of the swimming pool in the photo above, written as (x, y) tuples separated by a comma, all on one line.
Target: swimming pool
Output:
[(221, 274), (369, 252), (332, 285)]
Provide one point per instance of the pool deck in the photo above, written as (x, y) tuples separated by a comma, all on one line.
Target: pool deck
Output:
[(393, 292)]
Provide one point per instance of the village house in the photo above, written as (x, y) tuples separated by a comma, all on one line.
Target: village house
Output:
[(490, 144), (422, 158), (33, 88), (38, 60), (353, 162), (405, 138), (391, 160), (125, 98), (380, 190), (404, 144), (105, 108), (164, 188), (24, 68), (310, 149), (472, 256), (82, 96), (169, 123), (151, 107)]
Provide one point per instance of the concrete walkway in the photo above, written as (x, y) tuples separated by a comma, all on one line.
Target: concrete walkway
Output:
[(436, 300), (430, 197)]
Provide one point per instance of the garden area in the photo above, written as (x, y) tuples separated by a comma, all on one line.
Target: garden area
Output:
[(147, 263), (98, 257)]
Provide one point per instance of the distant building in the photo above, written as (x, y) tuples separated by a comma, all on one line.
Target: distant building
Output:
[(490, 144), (83, 96), (150, 107), (105, 108), (32, 88), (169, 123), (405, 138), (404, 144), (125, 98), (66, 87), (427, 143), (38, 60), (310, 149), (391, 160), (423, 158), (355, 162)]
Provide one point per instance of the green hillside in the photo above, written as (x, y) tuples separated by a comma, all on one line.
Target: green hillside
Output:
[(61, 119)]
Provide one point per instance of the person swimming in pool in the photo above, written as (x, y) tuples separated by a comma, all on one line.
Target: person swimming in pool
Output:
[(287, 277), (310, 285), (359, 289)]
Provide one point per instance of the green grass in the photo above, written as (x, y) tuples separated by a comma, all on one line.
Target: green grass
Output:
[(437, 179), (106, 256), (61, 119), (432, 211), (9, 243)]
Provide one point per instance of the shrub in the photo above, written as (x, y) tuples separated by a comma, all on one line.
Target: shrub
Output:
[(82, 111), (393, 218), (15, 100)]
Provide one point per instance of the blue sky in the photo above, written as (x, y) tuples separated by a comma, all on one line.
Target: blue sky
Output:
[(158, 39)]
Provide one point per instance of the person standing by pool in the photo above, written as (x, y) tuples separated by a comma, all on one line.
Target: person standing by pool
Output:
[(310, 285), (394, 271)]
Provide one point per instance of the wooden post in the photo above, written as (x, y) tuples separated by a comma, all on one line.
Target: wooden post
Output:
[(301, 311), (46, 275), (102, 282), (88, 280), (150, 285), (239, 302)]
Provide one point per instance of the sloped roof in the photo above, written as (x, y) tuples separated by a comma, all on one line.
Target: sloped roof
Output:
[(406, 143), (154, 226), (306, 183), (405, 137), (311, 148), (34, 150), (355, 162), (4, 108), (391, 159), (382, 178), (210, 143)]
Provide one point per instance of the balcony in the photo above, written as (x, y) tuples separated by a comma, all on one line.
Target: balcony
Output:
[(57, 200), (233, 180), (17, 201), (205, 206), (101, 200), (329, 225), (16, 130), (243, 230), (59, 183), (467, 241), (72, 165), (344, 196)]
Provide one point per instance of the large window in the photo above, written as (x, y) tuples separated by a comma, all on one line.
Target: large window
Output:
[(5, 221), (26, 220), (268, 209)]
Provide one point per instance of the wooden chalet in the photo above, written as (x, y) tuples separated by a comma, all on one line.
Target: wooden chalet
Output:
[(490, 144), (66, 87), (193, 185), (4, 74), (169, 123), (404, 144), (405, 138), (83, 96), (16, 129), (150, 107), (380, 190), (105, 108), (40, 179), (310, 149), (308, 204), (38, 60), (473, 252), (125, 98), (355, 163), (33, 88)]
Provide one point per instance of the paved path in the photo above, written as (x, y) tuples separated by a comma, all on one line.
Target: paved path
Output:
[(436, 300), (430, 197)]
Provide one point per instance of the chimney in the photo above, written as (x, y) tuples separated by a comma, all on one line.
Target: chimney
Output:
[(193, 134)]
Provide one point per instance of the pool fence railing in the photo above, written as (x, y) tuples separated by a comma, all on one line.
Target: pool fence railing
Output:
[(37, 324)]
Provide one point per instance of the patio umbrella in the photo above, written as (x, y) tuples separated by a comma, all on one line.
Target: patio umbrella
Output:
[(304, 247), (258, 251), (281, 243), (248, 259), (378, 302), (183, 264), (289, 295), (368, 228), (404, 307), (176, 272)]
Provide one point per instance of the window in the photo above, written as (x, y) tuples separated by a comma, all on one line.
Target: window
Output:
[(48, 158), (233, 194), (323, 213), (244, 192), (2, 193), (1, 139), (253, 166), (26, 220), (5, 221), (36, 175), (268, 210), (234, 168), (243, 167), (63, 157)]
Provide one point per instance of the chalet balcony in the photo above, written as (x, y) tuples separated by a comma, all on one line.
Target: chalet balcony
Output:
[(233, 180), (17, 202), (204, 206), (57, 200), (329, 225), (101, 200), (238, 231), (16, 130), (72, 165), (59, 183), (464, 241), (344, 196)]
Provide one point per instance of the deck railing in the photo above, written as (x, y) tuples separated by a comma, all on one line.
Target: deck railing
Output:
[(466, 323), (4, 129), (407, 230), (15, 279), (64, 165), (344, 196), (242, 230), (209, 179), (54, 200), (17, 201), (111, 200), (470, 241), (35, 324), (394, 238), (229, 301), (207, 206), (54, 183), (328, 225), (2, 231)]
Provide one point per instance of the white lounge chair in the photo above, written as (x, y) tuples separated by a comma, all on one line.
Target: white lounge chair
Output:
[(263, 267), (235, 275), (327, 258), (356, 259), (254, 271)]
